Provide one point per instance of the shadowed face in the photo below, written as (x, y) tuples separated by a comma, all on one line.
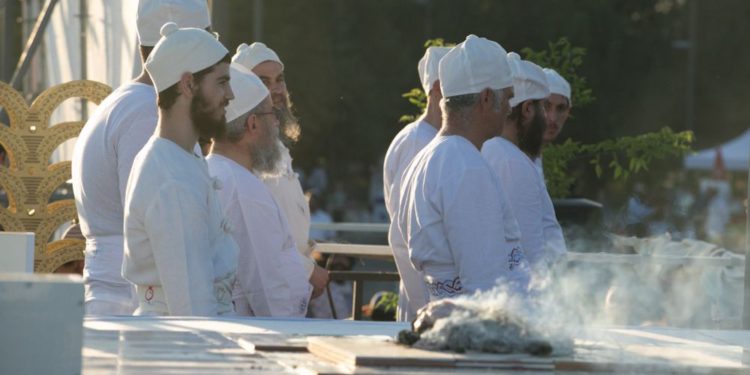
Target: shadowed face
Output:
[(266, 148), (558, 111), (272, 75)]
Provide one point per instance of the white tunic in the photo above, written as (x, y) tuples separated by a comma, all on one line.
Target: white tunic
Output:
[(520, 180), (102, 158), (460, 230), (287, 191), (407, 143), (178, 251), (271, 277), (554, 241)]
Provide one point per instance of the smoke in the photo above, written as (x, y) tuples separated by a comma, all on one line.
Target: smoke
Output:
[(652, 281)]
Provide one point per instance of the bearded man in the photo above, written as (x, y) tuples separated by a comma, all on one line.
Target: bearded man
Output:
[(178, 251), (511, 154), (104, 154), (271, 277), (453, 216), (282, 181)]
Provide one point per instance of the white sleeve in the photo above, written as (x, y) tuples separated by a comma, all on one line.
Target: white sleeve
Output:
[(260, 271), (474, 227), (129, 143), (554, 241), (176, 224), (520, 182)]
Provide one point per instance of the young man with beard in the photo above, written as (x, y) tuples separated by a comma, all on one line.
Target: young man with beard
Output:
[(271, 278), (103, 157), (407, 143), (282, 181), (178, 251), (459, 229), (511, 154)]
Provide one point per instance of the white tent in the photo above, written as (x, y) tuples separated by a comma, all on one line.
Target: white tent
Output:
[(736, 155)]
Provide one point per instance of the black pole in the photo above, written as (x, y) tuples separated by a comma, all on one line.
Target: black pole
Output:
[(33, 43)]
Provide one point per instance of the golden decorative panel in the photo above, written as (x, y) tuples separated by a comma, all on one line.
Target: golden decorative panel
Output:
[(29, 180)]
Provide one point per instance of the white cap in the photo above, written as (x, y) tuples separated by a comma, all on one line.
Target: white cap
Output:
[(152, 14), (472, 66), (179, 51), (558, 84), (254, 54), (529, 80), (249, 91), (428, 66)]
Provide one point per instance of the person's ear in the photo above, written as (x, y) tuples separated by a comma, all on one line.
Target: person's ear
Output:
[(527, 109), (186, 84)]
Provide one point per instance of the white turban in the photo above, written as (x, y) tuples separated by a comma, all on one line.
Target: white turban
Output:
[(179, 51), (254, 54), (558, 84), (428, 67), (472, 66), (529, 80), (152, 14), (249, 91)]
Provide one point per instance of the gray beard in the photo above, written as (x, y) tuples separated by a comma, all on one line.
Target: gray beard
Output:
[(266, 158)]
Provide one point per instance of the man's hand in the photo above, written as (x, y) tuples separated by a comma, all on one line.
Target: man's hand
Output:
[(319, 280)]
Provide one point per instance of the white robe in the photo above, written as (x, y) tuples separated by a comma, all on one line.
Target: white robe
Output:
[(271, 277), (102, 158), (554, 241), (407, 143), (178, 251), (287, 191), (460, 230)]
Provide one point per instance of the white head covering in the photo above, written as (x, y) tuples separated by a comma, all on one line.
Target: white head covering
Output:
[(152, 14), (249, 91), (254, 54), (558, 84), (179, 51), (428, 66), (529, 80), (472, 66)]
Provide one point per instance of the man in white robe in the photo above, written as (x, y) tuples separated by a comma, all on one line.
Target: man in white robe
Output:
[(511, 153), (459, 229), (103, 156), (282, 180), (271, 277), (407, 143), (178, 250)]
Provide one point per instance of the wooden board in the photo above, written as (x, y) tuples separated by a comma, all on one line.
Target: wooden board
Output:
[(612, 350)]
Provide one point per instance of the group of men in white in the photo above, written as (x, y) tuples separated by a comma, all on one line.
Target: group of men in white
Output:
[(169, 232), (464, 185)]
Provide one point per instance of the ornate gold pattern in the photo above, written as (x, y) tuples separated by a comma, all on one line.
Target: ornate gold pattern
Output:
[(29, 180)]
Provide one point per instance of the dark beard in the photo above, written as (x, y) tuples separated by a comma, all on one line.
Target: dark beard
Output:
[(204, 124), (531, 136)]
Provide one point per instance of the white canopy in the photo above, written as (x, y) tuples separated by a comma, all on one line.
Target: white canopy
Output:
[(736, 155)]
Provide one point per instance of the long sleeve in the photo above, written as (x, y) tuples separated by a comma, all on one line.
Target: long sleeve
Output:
[(473, 221), (554, 241), (128, 145), (268, 290), (520, 181), (176, 224)]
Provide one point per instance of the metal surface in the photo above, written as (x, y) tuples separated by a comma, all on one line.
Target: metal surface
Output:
[(352, 227), (33, 43)]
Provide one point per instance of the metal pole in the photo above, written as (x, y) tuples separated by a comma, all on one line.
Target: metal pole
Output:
[(746, 290), (258, 21), (693, 46), (36, 37), (83, 18)]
